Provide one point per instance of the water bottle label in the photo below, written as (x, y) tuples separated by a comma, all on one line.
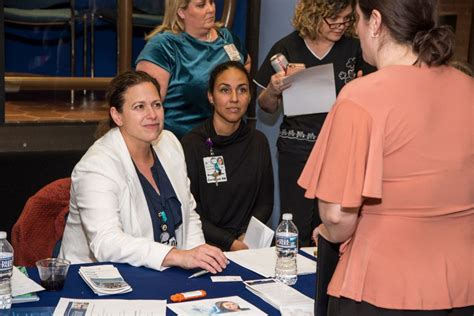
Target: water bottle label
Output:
[(287, 242), (6, 263)]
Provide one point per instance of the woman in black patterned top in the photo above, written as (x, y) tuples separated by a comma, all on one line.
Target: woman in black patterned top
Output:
[(319, 38)]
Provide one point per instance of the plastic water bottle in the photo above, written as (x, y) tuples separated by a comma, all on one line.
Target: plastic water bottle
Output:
[(287, 248), (6, 271)]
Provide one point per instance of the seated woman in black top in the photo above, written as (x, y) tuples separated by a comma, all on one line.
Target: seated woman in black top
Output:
[(229, 163)]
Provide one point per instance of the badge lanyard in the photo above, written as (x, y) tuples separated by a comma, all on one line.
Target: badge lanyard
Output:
[(210, 145), (164, 236)]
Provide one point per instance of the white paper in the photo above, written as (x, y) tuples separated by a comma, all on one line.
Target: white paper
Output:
[(263, 261), (21, 284), (235, 306), (84, 307), (312, 90), (226, 278), (312, 251), (104, 279), (280, 295), (303, 310), (258, 235)]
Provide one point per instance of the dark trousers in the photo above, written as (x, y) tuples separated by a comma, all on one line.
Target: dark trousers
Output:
[(305, 211), (346, 307)]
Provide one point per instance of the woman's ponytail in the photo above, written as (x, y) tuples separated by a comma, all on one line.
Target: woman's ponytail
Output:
[(435, 46)]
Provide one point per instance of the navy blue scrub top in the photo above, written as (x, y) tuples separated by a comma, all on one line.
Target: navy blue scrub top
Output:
[(165, 208)]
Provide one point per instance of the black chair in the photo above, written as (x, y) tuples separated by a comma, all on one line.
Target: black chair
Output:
[(146, 13), (44, 13)]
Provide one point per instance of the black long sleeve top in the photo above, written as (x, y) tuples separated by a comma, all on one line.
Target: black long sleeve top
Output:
[(226, 209)]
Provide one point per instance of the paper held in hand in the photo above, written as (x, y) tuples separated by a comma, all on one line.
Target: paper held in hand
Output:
[(313, 90), (258, 235), (104, 279)]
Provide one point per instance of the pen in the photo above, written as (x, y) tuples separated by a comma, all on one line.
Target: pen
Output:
[(199, 273)]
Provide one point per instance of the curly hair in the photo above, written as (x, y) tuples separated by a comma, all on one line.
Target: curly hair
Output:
[(309, 15)]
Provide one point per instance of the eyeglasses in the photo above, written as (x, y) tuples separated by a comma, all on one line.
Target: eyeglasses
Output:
[(334, 26)]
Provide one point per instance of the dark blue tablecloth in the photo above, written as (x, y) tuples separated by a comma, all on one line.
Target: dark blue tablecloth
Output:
[(152, 284)]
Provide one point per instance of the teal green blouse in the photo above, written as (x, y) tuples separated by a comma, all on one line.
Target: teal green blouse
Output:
[(189, 62)]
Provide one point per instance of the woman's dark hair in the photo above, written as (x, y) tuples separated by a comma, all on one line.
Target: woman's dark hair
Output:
[(223, 67), (413, 22), (115, 95)]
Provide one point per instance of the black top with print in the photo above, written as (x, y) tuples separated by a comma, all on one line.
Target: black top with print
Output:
[(298, 133)]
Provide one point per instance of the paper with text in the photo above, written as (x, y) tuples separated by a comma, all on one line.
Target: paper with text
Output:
[(232, 305), (280, 296), (84, 307)]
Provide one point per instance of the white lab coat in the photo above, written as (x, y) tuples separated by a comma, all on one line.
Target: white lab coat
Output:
[(109, 218)]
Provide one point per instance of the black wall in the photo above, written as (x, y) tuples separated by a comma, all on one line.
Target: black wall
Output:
[(34, 155), (23, 174)]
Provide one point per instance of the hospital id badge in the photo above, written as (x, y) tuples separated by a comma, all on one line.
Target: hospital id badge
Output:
[(215, 169), (232, 52)]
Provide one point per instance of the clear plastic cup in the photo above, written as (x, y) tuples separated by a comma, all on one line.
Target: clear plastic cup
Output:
[(53, 272)]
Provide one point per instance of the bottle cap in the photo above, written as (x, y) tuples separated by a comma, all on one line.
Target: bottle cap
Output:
[(3, 235), (287, 216)]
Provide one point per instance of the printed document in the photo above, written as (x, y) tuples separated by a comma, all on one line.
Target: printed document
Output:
[(216, 306), (313, 90), (263, 261), (104, 279), (258, 235), (85, 307), (280, 295)]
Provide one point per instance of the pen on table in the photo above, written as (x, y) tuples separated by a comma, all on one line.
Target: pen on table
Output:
[(199, 273)]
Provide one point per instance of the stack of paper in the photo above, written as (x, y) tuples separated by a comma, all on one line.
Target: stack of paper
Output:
[(104, 279), (281, 296)]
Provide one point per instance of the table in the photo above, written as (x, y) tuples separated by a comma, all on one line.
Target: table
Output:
[(152, 284)]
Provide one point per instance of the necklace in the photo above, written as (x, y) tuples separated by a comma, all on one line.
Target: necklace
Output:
[(208, 37)]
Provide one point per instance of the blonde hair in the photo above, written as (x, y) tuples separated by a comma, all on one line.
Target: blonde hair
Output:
[(172, 22), (309, 15)]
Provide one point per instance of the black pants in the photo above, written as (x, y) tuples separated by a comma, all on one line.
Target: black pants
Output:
[(305, 211), (347, 307)]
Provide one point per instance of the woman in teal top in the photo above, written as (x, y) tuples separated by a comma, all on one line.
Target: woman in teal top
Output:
[(181, 53)]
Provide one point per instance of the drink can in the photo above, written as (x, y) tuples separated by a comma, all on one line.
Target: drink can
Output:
[(279, 62)]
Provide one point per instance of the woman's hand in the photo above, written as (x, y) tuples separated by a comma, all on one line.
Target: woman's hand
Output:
[(270, 98), (320, 230), (238, 245), (204, 256), (277, 84)]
